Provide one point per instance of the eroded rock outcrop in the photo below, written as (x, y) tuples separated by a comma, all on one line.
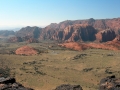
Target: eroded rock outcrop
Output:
[(15, 39), (71, 31), (28, 39), (56, 31), (32, 40), (33, 32), (81, 32), (110, 83), (117, 38), (11, 84), (105, 35), (77, 32), (69, 87)]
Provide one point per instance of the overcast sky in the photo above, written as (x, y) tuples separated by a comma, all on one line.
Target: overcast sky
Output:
[(18, 13)]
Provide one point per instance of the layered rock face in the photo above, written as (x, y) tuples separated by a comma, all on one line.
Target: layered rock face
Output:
[(58, 35), (11, 84), (80, 33), (71, 30), (75, 30), (100, 24), (105, 35)]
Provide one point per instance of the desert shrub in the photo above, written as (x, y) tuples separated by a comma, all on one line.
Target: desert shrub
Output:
[(4, 72), (87, 69), (79, 56)]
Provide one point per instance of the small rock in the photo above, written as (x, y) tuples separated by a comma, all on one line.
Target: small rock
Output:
[(69, 87)]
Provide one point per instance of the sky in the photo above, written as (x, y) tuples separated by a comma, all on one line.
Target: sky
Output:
[(21, 13)]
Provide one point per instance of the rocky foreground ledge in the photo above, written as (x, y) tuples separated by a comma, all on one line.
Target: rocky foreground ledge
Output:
[(11, 84), (108, 83)]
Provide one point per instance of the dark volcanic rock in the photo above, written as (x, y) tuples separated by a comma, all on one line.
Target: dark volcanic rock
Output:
[(105, 35), (11, 84), (69, 87), (110, 83)]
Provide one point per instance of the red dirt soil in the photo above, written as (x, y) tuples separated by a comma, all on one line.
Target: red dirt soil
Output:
[(111, 45), (74, 46), (26, 50)]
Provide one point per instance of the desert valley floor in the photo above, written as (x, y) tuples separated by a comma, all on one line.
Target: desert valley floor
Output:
[(56, 65)]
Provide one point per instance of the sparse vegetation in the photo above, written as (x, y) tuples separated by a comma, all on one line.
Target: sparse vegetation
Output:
[(59, 65)]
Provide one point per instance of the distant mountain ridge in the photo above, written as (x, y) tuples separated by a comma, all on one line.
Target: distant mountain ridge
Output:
[(74, 30), (5, 33)]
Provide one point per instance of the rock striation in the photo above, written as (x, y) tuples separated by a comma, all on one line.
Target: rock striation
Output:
[(72, 31), (11, 84), (79, 32), (75, 30)]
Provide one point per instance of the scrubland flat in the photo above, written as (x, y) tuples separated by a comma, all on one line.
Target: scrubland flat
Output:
[(57, 65)]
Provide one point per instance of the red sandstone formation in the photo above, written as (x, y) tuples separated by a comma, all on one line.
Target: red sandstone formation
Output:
[(67, 30), (26, 50), (72, 31), (117, 38), (105, 35), (77, 32), (111, 45), (74, 46)]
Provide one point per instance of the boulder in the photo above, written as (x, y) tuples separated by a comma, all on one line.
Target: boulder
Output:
[(11, 84), (110, 83)]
